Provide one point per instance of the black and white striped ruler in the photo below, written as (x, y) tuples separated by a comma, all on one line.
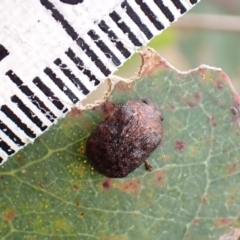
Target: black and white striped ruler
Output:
[(53, 53)]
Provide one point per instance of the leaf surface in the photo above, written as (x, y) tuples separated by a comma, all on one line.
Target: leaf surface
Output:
[(49, 191)]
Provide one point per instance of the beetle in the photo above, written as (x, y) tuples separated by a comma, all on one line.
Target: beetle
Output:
[(126, 138)]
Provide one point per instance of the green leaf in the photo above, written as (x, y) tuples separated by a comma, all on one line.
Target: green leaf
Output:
[(49, 191)]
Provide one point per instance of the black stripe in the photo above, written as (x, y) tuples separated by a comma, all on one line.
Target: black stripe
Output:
[(9, 113), (7, 149), (113, 38), (49, 94), (72, 2), (80, 65), (34, 99), (193, 1), (125, 29), (165, 10), (104, 48), (11, 134), (83, 45), (61, 85), (137, 20), (179, 5), (152, 17), (59, 18), (79, 85), (3, 52), (1, 160), (73, 34), (31, 115), (14, 78)]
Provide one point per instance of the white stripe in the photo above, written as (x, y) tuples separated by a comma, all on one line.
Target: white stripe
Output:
[(133, 27), (21, 115), (186, 4), (119, 33), (82, 16), (13, 127), (57, 92), (23, 119), (79, 74), (27, 102), (109, 44), (67, 82), (9, 142), (160, 16), (106, 61), (143, 17), (42, 97), (88, 63), (172, 8)]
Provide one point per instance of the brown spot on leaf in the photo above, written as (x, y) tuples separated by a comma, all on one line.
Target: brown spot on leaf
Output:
[(86, 125), (81, 149), (232, 168), (165, 157), (75, 113), (204, 199), (179, 145), (42, 186), (170, 107), (107, 184), (193, 100), (80, 170), (191, 105), (198, 96), (122, 86), (107, 107), (19, 158), (219, 84), (222, 222), (231, 200), (10, 214), (212, 121), (225, 150), (202, 72), (78, 204), (82, 214), (76, 187), (195, 221), (159, 177), (132, 186)]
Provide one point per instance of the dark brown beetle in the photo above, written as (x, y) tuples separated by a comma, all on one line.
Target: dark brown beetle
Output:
[(126, 138)]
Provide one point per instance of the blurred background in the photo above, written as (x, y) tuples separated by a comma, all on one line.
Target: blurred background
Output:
[(208, 34)]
